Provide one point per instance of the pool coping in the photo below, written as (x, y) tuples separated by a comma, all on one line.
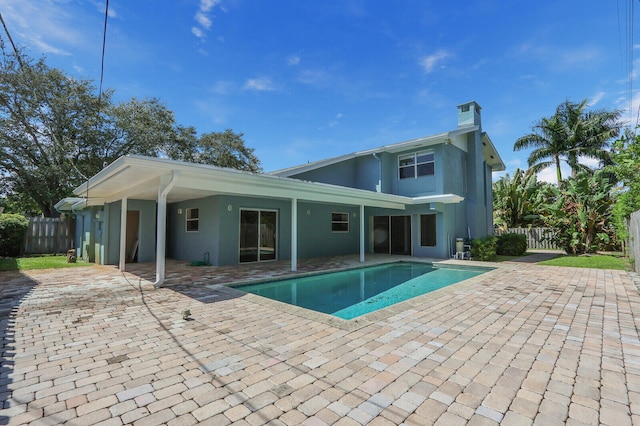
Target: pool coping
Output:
[(366, 319)]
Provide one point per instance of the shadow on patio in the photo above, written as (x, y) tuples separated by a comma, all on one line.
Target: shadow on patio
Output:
[(14, 288)]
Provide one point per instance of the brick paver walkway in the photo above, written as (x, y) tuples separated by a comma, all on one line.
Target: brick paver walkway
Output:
[(519, 345)]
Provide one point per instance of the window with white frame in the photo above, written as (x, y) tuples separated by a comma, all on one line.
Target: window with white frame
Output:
[(416, 164), (193, 220), (339, 222)]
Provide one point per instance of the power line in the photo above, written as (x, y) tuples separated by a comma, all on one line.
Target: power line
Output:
[(104, 44)]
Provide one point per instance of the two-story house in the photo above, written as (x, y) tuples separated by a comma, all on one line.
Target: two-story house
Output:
[(410, 198)]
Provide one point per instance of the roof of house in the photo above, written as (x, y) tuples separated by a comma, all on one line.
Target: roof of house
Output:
[(490, 153), (139, 177)]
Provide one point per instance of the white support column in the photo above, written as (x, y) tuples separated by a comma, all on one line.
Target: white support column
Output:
[(362, 233), (123, 234), (294, 234), (161, 225)]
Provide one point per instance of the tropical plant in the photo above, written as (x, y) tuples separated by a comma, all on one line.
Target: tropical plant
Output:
[(570, 134), (519, 200), (625, 155), (511, 244), (484, 248), (581, 214)]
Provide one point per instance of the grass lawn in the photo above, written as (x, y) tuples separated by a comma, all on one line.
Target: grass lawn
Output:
[(38, 262), (598, 261)]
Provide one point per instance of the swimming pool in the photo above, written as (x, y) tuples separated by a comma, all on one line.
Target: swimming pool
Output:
[(350, 294)]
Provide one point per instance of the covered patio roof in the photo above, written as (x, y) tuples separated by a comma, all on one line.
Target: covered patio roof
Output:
[(169, 181), (139, 177)]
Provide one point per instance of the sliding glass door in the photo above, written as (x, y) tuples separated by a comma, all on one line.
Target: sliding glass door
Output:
[(392, 234), (258, 235)]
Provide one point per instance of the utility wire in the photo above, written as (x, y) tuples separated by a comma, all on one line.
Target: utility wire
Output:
[(104, 44)]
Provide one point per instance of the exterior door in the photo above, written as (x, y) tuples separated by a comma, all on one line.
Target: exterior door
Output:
[(392, 234), (258, 235)]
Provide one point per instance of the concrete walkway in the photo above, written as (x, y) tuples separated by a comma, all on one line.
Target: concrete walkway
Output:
[(517, 345), (535, 256)]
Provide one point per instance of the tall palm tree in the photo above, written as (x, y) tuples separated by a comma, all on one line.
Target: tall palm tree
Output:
[(571, 133)]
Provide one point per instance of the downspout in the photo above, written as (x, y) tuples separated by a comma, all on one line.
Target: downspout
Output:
[(79, 250), (379, 185), (162, 228)]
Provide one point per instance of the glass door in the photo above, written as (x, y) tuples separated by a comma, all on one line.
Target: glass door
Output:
[(258, 235), (381, 234), (267, 248), (392, 234), (401, 235)]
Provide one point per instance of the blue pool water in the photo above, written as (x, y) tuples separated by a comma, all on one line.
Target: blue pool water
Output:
[(349, 294)]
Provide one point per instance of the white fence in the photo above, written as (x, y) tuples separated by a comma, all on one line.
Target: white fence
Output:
[(537, 238), (634, 240), (49, 235)]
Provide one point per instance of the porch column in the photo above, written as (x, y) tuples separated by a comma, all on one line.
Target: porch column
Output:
[(123, 234), (161, 225), (294, 234), (362, 233)]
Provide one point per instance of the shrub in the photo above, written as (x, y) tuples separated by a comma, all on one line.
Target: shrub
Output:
[(512, 244), (484, 248), (13, 228)]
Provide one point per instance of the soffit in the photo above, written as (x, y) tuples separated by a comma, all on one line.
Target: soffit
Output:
[(140, 178)]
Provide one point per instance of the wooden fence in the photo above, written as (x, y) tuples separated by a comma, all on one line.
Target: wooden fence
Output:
[(537, 238), (49, 235), (634, 240)]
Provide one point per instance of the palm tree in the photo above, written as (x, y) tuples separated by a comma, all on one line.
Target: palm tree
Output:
[(571, 133)]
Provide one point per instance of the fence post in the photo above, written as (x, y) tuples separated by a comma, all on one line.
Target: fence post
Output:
[(634, 239)]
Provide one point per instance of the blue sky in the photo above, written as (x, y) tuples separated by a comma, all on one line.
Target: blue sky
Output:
[(307, 80)]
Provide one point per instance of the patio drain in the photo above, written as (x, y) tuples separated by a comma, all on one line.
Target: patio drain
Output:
[(117, 359), (81, 319)]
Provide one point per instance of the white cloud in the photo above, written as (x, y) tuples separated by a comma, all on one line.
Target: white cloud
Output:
[(293, 60), (203, 19), (47, 26), (316, 78), (197, 32), (596, 98), (336, 121), (260, 84), (430, 62), (515, 163), (207, 5), (222, 87), (560, 59), (551, 175)]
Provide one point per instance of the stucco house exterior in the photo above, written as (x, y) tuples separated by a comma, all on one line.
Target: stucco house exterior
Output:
[(411, 198)]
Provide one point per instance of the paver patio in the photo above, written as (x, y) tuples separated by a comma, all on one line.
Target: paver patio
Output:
[(519, 345)]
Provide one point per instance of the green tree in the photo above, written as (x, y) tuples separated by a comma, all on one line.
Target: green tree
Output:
[(518, 201), (226, 149), (56, 132), (625, 166), (581, 215), (40, 118), (572, 132)]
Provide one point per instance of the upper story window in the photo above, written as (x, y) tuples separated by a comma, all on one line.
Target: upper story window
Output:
[(193, 220), (416, 164), (339, 222)]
